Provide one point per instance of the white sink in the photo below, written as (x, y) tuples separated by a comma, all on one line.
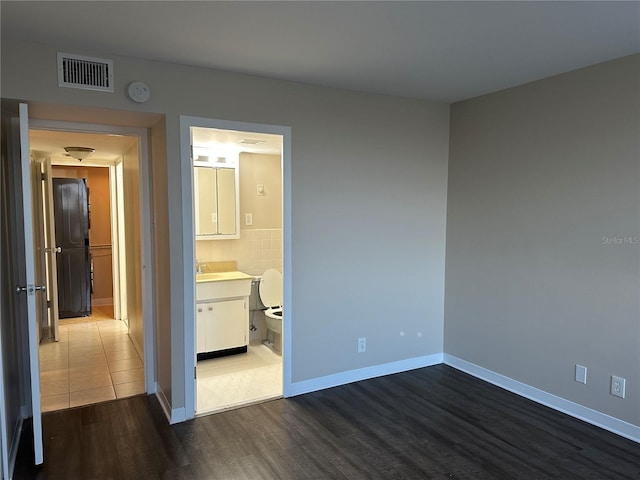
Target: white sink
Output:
[(222, 276), (222, 285)]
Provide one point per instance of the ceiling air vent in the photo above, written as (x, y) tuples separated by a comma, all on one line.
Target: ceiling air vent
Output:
[(87, 73)]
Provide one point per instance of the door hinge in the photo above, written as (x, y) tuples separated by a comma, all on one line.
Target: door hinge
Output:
[(43, 176), (31, 289), (48, 303), (195, 370)]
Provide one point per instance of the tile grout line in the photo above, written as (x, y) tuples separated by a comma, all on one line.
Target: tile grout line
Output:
[(113, 386), (83, 338), (124, 334)]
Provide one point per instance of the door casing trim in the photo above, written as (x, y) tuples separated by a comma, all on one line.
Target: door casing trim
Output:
[(188, 249)]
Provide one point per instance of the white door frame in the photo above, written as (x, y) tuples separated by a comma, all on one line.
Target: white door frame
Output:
[(188, 246), (120, 311), (146, 226)]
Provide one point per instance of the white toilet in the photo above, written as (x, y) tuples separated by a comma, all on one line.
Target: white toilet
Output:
[(270, 290)]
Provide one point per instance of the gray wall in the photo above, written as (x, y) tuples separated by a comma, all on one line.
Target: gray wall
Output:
[(368, 200), (539, 176), (542, 180)]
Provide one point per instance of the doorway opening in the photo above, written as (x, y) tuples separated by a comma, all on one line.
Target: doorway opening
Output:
[(92, 340), (239, 339)]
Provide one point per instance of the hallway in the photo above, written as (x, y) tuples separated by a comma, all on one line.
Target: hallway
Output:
[(94, 361)]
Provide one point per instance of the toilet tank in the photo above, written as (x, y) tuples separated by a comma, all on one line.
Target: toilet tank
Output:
[(254, 299)]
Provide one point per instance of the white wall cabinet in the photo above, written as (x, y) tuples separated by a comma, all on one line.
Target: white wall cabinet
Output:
[(221, 325)]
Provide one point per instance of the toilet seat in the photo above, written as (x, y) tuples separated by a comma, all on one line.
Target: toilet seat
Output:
[(275, 312), (270, 290)]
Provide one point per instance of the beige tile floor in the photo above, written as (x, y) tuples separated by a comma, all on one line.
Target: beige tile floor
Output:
[(238, 380), (94, 361)]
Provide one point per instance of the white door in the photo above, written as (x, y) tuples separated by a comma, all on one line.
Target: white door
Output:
[(51, 249), (39, 249), (29, 291)]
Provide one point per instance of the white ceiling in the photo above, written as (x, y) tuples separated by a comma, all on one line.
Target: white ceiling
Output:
[(108, 148), (446, 51), (251, 142)]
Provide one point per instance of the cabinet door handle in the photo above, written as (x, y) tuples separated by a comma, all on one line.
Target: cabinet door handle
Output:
[(210, 308), (200, 310)]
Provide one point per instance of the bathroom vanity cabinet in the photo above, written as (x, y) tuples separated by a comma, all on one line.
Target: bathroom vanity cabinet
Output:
[(221, 325), (222, 312)]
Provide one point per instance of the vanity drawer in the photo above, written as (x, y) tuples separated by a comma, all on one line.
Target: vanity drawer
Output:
[(225, 289)]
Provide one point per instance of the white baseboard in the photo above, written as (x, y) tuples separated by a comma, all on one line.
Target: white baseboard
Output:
[(136, 345), (101, 302), (342, 378), (174, 415), (164, 403), (594, 417)]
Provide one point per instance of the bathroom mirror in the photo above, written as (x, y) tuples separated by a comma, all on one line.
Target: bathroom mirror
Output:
[(216, 201)]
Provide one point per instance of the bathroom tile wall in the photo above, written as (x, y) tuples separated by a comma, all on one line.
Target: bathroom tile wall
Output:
[(255, 251)]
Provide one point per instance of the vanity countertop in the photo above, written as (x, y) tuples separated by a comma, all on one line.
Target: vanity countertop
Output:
[(222, 276)]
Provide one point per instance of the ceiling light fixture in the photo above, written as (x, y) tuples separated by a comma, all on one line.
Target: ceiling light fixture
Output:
[(79, 153), (252, 141)]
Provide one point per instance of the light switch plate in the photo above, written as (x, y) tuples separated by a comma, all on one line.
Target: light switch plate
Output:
[(581, 374)]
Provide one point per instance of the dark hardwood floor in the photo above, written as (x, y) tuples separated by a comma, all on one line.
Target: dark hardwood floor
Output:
[(433, 422)]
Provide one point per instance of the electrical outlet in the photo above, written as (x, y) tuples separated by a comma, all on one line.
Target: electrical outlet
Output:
[(362, 344), (617, 386), (248, 218), (581, 374)]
